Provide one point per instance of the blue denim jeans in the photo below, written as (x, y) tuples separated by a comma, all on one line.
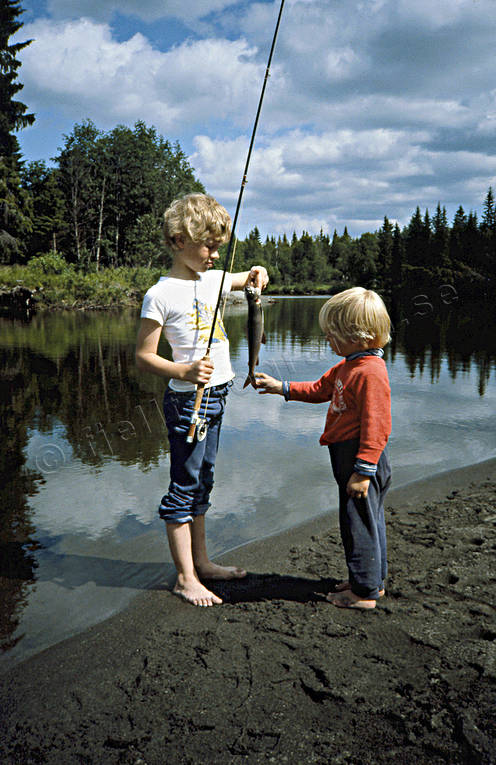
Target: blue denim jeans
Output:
[(191, 465), (361, 521)]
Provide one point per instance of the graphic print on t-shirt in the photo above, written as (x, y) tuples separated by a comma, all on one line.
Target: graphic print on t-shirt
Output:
[(201, 320)]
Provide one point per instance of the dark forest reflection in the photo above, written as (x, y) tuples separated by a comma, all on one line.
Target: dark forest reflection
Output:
[(429, 328), (77, 372)]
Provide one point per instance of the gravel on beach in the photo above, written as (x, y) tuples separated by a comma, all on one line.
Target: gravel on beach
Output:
[(278, 675)]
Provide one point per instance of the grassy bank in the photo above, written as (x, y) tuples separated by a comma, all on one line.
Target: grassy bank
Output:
[(304, 288), (60, 285)]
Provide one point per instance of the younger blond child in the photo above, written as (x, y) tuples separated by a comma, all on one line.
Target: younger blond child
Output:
[(182, 305), (358, 424)]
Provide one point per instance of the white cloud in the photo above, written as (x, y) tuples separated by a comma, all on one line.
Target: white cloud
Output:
[(295, 162), (341, 63), (78, 65), (309, 182), (212, 79)]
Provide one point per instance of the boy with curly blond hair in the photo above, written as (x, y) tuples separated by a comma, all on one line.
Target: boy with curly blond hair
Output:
[(181, 306)]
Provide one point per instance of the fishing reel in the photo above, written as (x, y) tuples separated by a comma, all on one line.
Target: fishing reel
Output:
[(201, 429), (198, 426)]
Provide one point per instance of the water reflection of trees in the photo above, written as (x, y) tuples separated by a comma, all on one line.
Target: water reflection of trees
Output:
[(17, 564), (87, 380), (461, 333), (295, 320), (78, 372)]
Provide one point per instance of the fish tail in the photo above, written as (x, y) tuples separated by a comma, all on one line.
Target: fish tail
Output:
[(250, 379)]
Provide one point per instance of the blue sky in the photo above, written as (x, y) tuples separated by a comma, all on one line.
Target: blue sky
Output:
[(373, 106)]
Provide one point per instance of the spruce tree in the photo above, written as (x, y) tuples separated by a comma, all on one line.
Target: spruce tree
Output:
[(385, 241), (488, 212), (397, 259), (14, 201), (472, 245), (323, 257), (418, 234), (440, 241), (284, 260), (488, 230), (253, 251), (456, 240)]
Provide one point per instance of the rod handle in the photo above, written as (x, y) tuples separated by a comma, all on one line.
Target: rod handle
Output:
[(194, 417), (196, 408)]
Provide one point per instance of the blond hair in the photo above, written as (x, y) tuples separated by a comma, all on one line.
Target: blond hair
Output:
[(358, 316), (197, 217)]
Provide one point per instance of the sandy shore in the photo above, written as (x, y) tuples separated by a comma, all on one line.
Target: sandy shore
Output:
[(278, 675)]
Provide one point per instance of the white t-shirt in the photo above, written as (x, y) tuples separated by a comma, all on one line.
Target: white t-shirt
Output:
[(185, 309)]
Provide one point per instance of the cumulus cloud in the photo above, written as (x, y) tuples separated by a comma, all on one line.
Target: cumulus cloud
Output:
[(79, 66), (330, 180), (372, 107)]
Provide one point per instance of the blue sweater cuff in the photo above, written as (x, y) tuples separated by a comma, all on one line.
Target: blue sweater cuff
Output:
[(365, 468)]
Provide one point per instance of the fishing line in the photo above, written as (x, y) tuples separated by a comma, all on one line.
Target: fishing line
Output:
[(200, 387), (201, 425)]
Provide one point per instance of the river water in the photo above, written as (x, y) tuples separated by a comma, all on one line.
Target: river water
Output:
[(85, 455)]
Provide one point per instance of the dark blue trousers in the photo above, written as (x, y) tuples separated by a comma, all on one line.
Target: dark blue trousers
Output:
[(361, 521), (192, 465)]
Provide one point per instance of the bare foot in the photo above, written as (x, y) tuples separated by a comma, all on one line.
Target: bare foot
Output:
[(214, 571), (195, 593), (342, 586), (348, 599)]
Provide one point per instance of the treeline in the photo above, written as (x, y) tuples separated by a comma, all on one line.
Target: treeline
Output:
[(100, 205), (462, 254)]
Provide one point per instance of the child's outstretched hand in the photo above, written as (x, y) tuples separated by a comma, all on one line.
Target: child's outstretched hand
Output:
[(358, 486), (268, 384)]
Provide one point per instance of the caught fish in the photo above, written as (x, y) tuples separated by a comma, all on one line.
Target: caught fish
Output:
[(256, 334)]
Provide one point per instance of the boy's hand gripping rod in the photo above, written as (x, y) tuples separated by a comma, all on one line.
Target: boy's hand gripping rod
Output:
[(201, 386)]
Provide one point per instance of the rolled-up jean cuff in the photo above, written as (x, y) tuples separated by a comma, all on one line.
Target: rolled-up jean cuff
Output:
[(176, 516)]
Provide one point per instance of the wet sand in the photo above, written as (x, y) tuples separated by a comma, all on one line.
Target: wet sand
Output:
[(278, 675)]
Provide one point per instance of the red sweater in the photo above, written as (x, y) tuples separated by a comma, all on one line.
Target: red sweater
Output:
[(360, 407)]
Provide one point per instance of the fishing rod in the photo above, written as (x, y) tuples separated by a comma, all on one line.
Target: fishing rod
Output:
[(201, 386)]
